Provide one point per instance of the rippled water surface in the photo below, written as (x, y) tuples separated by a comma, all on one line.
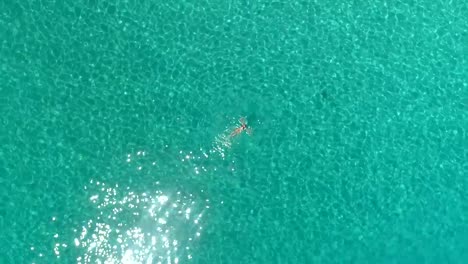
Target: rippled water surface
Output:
[(115, 141)]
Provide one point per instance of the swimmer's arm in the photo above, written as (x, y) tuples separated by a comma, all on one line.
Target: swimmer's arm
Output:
[(242, 120)]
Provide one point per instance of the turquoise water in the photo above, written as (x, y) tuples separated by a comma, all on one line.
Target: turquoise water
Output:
[(115, 121)]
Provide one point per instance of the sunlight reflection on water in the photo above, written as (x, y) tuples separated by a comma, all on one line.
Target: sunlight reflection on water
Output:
[(139, 227), (157, 226)]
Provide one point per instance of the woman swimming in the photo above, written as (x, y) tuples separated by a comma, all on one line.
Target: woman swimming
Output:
[(243, 127)]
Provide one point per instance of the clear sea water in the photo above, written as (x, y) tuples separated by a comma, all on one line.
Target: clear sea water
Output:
[(115, 122)]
